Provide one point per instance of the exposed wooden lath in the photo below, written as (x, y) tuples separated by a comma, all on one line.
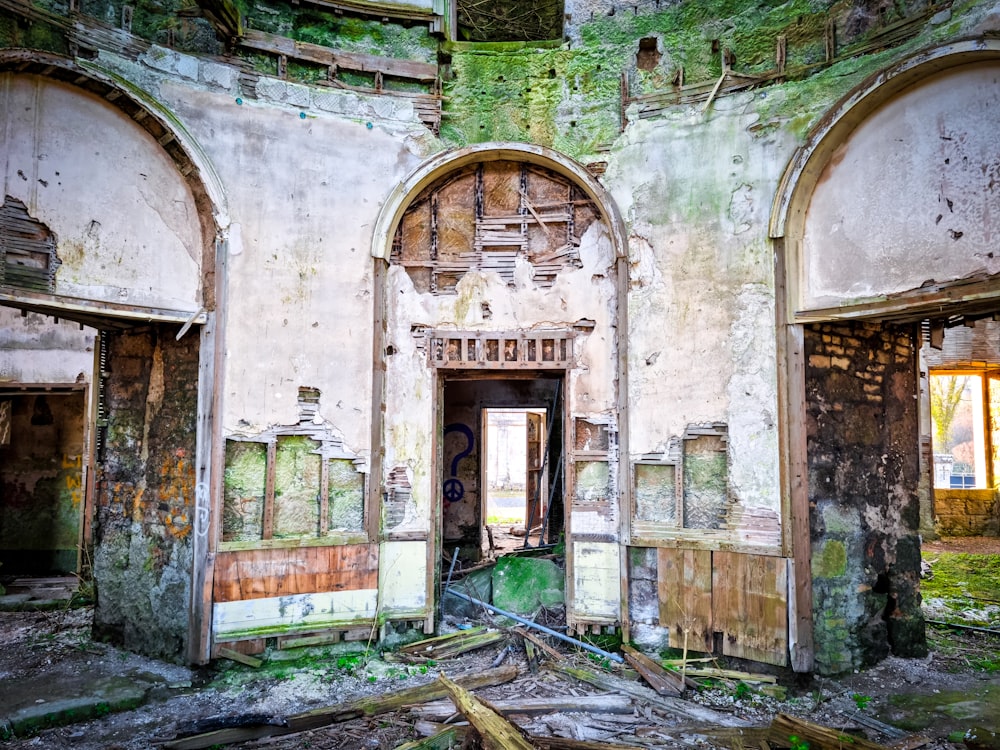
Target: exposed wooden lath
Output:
[(28, 249), (491, 217)]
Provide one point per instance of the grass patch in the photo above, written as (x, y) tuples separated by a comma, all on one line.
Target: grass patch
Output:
[(964, 588)]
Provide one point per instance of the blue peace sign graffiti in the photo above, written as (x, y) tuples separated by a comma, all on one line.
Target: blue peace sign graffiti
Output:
[(453, 490)]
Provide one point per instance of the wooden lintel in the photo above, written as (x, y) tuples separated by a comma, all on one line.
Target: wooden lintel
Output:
[(913, 305)]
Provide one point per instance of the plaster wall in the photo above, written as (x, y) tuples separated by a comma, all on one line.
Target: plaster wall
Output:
[(124, 220), (914, 192), (696, 189), (35, 349), (303, 192)]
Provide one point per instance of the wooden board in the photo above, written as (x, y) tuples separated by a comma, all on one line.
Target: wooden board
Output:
[(684, 586), (263, 573), (750, 606)]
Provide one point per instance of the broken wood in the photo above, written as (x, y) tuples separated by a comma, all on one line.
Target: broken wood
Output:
[(818, 736), (662, 681), (596, 704), (445, 739), (496, 732), (543, 743), (321, 717), (730, 674), (451, 644), (538, 642), (250, 661), (675, 706)]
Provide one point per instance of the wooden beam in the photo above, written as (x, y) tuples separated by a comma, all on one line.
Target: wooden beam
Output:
[(356, 61), (322, 717), (497, 733)]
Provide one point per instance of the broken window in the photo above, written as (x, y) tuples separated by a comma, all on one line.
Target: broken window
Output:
[(687, 488), (964, 410), (28, 250), (289, 488), (509, 20), (492, 216)]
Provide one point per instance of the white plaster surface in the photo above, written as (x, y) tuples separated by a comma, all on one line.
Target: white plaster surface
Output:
[(696, 189), (403, 577), (124, 219), (304, 193), (35, 349), (596, 580), (318, 610), (913, 196)]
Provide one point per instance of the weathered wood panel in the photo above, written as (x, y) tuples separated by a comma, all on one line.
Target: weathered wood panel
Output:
[(293, 613), (262, 573), (596, 579), (684, 585), (750, 606)]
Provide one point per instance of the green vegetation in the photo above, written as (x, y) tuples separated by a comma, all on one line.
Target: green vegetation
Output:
[(965, 584), (861, 701)]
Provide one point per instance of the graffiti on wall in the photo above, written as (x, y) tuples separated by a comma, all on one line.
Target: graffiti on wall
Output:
[(453, 490)]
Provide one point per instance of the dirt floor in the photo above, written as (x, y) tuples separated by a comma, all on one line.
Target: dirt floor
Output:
[(932, 703)]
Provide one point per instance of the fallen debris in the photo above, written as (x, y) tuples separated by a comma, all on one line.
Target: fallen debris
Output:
[(321, 717), (495, 731), (676, 706), (449, 645), (818, 736), (538, 642), (595, 704), (662, 681)]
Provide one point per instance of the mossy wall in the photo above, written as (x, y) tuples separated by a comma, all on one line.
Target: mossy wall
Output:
[(145, 501), (863, 474)]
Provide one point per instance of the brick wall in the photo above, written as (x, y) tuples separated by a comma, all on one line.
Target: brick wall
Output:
[(862, 426)]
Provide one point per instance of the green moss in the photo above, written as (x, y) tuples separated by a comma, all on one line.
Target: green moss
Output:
[(831, 561), (962, 579), (559, 98)]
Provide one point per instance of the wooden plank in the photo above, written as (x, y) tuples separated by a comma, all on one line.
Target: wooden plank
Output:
[(750, 606), (674, 706), (818, 736), (496, 732), (326, 716), (357, 61), (594, 704), (658, 678), (250, 661), (262, 573), (684, 586)]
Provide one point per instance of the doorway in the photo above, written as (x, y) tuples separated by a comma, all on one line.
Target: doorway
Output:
[(514, 477), (501, 464)]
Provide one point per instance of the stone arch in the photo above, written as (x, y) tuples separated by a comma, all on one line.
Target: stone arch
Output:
[(817, 173), (117, 278), (580, 318)]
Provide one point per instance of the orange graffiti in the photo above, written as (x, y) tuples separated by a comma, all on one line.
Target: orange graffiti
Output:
[(177, 479), (74, 479)]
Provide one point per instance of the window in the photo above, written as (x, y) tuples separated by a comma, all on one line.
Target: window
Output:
[(289, 488), (964, 407)]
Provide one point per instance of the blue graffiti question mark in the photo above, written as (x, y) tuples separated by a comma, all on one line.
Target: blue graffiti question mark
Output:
[(453, 490)]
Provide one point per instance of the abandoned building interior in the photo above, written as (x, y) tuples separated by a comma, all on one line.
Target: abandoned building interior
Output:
[(305, 307)]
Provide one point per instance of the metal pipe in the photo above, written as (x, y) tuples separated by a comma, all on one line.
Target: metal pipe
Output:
[(536, 626)]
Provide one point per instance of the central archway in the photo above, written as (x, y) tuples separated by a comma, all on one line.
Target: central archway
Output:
[(501, 279)]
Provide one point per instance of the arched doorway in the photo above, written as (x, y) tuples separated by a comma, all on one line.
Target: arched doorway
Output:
[(503, 271), (120, 242), (884, 229)]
